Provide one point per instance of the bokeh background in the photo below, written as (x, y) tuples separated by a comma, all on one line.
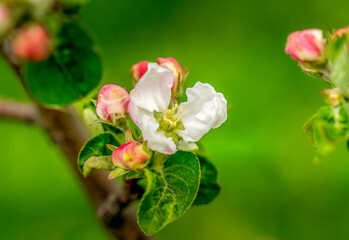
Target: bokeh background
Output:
[(271, 189)]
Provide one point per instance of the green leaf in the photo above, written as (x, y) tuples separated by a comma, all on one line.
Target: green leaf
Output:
[(90, 116), (69, 74), (134, 174), (335, 47), (136, 132), (96, 146), (171, 190), (74, 2), (308, 128), (340, 64), (209, 188), (100, 163), (326, 128), (117, 173)]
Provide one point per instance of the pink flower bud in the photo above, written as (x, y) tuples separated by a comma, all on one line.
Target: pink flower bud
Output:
[(341, 32), (32, 43), (112, 102), (332, 96), (177, 70), (132, 156), (5, 19), (138, 70), (306, 46)]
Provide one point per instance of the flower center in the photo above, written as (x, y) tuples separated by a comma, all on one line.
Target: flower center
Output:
[(170, 120)]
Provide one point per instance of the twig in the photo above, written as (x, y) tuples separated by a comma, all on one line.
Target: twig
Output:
[(25, 112)]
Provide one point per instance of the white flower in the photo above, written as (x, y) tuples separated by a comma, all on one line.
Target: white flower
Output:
[(161, 127)]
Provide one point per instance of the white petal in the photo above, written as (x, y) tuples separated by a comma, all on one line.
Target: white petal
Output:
[(153, 90), (157, 141), (205, 109)]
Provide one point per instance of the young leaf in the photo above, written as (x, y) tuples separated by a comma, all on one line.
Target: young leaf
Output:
[(100, 162), (111, 147), (96, 146), (117, 173), (340, 65), (171, 190), (89, 116), (308, 128), (70, 73), (327, 127), (74, 2), (134, 174), (209, 188)]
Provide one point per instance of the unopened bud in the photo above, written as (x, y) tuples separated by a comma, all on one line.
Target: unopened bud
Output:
[(340, 32), (307, 46), (138, 70), (32, 43), (132, 156), (112, 102), (178, 80), (5, 19), (332, 96)]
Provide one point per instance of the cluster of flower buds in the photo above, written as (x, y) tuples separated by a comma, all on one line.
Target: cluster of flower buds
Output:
[(165, 125), (23, 27), (315, 54)]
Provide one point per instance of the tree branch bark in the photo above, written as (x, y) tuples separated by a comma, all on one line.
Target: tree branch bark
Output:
[(67, 131), (25, 112)]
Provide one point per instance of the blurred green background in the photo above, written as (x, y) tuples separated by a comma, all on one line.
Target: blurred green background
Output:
[(271, 189)]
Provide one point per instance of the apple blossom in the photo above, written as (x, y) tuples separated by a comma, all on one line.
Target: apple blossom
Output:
[(163, 125), (177, 71), (112, 102), (132, 156), (138, 70), (32, 43), (306, 46)]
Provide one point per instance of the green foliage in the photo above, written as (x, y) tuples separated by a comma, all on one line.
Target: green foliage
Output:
[(134, 174), (171, 190), (74, 2), (117, 173), (335, 47), (209, 188), (70, 73), (99, 162), (96, 146), (327, 127)]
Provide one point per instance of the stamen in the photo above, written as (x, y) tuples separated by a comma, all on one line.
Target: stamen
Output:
[(170, 120)]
